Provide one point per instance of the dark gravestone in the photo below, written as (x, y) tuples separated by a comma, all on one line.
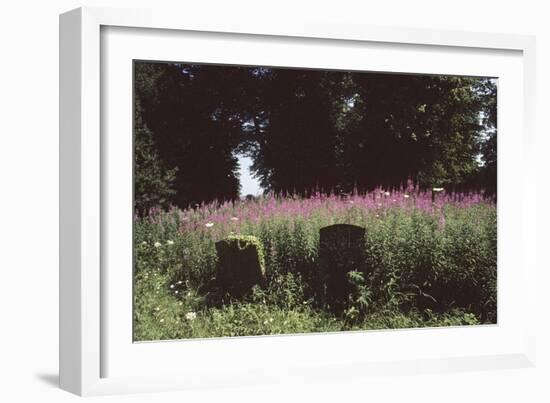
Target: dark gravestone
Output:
[(240, 264), (341, 250)]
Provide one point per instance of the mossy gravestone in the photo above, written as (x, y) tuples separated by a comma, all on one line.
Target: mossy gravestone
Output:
[(240, 264), (341, 250)]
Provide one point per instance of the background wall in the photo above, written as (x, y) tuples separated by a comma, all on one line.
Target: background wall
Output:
[(29, 197)]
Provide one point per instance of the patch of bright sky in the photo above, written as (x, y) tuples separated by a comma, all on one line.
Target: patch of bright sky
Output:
[(249, 184)]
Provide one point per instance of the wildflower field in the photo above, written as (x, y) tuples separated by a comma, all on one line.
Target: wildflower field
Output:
[(430, 260), (377, 207)]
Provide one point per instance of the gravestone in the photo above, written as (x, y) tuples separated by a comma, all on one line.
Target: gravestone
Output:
[(341, 250), (240, 264)]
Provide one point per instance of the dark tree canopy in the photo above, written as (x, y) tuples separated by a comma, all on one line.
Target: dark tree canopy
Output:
[(309, 130)]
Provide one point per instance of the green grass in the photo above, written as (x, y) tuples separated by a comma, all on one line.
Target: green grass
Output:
[(426, 268)]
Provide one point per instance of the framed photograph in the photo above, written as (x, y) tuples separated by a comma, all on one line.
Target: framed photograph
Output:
[(244, 203)]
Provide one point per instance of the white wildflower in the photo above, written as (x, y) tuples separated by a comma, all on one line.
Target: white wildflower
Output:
[(171, 285), (158, 244), (406, 196), (190, 316), (386, 193), (169, 242), (209, 224), (180, 282), (162, 320), (176, 292), (157, 308), (144, 243), (438, 189)]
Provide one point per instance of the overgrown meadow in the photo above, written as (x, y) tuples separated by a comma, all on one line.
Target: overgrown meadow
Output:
[(430, 260)]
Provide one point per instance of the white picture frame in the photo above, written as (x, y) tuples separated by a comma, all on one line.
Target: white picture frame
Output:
[(91, 361)]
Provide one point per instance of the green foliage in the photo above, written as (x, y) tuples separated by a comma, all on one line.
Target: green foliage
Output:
[(360, 299), (192, 112), (285, 291), (309, 130), (162, 315), (416, 262), (153, 181), (422, 269), (243, 241)]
